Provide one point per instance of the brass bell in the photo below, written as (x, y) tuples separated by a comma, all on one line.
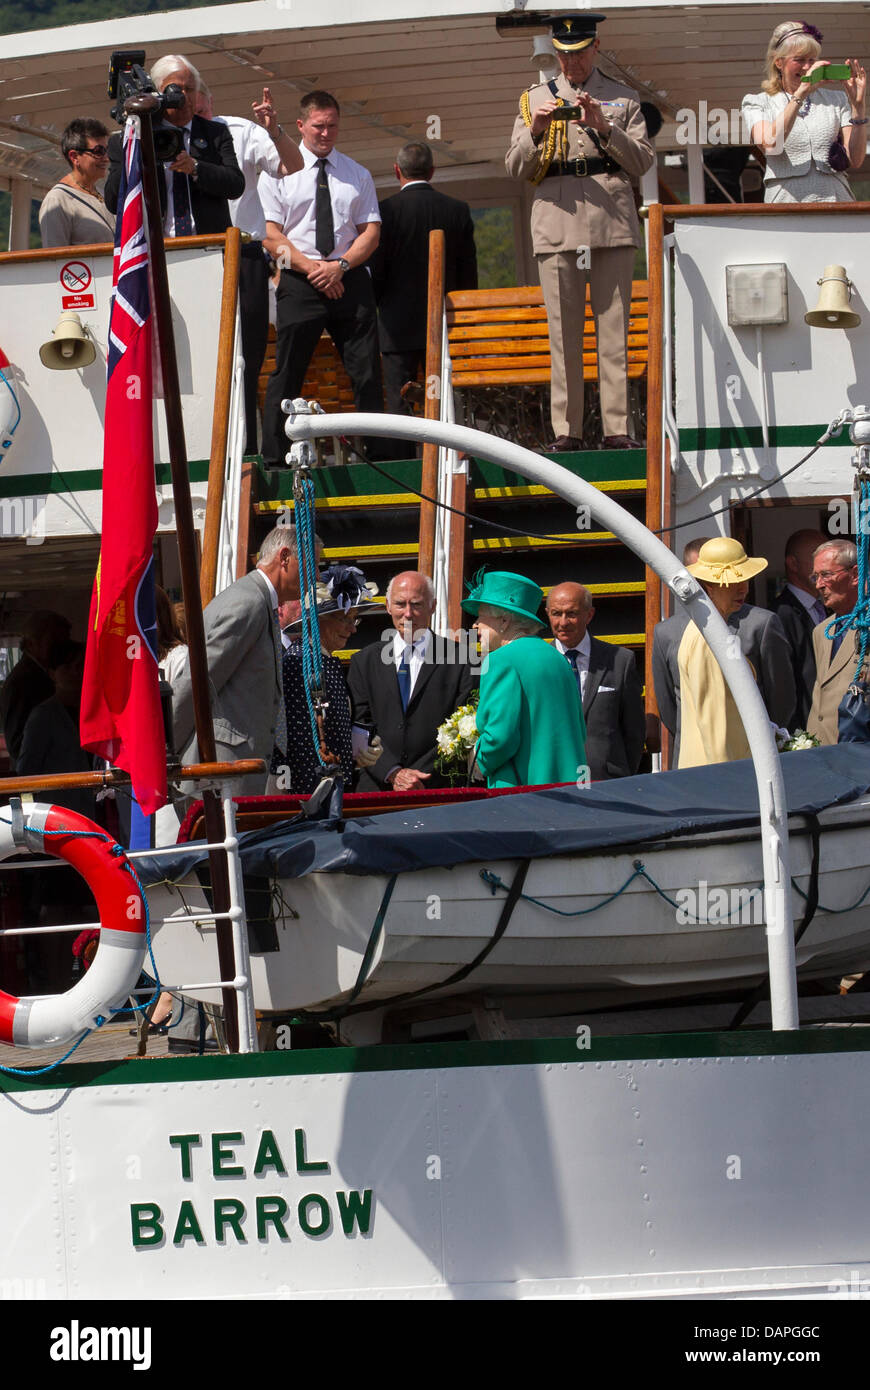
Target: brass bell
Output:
[(832, 310)]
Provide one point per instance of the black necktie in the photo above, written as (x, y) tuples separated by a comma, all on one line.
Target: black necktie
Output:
[(574, 657), (181, 204), (324, 228)]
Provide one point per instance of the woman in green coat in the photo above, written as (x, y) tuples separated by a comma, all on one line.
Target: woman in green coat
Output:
[(529, 719)]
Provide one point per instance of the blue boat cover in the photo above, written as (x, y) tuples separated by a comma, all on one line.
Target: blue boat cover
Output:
[(606, 816)]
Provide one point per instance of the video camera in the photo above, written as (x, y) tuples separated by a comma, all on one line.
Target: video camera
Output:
[(127, 78)]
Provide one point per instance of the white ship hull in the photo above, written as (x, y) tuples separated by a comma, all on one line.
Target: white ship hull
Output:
[(639, 943)]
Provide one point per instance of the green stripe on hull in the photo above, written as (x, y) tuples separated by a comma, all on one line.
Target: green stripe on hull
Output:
[(85, 480), (751, 437), (443, 1056)]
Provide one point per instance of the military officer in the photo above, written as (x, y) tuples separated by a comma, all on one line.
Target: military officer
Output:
[(584, 222)]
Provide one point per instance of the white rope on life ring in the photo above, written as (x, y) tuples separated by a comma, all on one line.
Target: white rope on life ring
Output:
[(43, 1020)]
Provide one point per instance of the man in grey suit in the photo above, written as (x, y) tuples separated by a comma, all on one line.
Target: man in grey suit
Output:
[(243, 649), (764, 644), (607, 681)]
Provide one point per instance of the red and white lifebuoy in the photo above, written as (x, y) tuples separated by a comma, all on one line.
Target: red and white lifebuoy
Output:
[(10, 408), (60, 1018)]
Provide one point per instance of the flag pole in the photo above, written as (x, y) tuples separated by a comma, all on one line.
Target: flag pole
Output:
[(142, 105)]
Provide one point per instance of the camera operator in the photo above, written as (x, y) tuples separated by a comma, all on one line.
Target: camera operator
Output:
[(198, 182)]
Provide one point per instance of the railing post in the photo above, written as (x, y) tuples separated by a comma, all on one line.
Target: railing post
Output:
[(654, 460), (221, 417), (432, 400)]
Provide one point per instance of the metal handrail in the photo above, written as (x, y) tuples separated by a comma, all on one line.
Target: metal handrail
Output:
[(698, 608)]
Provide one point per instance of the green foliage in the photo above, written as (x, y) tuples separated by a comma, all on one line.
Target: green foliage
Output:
[(6, 213), (494, 238), (18, 16)]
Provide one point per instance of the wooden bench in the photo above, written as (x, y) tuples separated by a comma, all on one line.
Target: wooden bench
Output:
[(499, 337)]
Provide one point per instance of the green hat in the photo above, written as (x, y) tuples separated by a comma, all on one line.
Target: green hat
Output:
[(512, 592)]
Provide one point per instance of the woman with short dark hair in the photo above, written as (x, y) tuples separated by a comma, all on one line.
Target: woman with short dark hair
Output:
[(73, 212)]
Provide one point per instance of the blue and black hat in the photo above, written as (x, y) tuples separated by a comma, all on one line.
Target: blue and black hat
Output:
[(574, 32)]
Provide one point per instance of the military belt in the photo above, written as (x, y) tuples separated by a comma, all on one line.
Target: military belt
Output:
[(582, 168)]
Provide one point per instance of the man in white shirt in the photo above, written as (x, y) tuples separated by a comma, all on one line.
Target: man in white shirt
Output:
[(607, 683), (262, 146), (322, 225)]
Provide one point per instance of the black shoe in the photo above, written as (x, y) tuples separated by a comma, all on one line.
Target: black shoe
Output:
[(621, 441), (566, 444)]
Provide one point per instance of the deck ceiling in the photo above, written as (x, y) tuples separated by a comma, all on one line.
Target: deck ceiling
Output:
[(391, 75)]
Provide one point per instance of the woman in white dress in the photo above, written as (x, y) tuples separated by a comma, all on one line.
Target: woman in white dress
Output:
[(810, 133)]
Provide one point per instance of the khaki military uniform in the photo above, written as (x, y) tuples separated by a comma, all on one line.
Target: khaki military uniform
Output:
[(597, 212)]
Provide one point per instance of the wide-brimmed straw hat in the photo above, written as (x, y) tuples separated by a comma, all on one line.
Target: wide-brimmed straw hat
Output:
[(500, 589), (724, 561), (340, 589)]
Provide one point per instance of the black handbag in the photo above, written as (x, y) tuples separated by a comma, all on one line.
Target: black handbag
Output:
[(853, 716)]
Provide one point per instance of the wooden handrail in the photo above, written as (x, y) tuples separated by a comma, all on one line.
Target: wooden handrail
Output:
[(221, 417), (115, 777), (102, 248), (431, 399), (759, 209)]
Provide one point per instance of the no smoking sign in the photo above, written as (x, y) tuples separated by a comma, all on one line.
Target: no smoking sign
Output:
[(76, 281)]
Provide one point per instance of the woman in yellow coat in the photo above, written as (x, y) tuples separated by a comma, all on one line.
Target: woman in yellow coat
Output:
[(711, 730)]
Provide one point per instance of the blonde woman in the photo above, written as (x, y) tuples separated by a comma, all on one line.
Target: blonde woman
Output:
[(810, 132)]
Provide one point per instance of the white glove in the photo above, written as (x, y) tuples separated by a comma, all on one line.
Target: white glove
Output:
[(369, 756)]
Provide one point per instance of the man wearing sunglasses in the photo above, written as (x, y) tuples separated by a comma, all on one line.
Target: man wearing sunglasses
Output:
[(73, 212), (835, 576)]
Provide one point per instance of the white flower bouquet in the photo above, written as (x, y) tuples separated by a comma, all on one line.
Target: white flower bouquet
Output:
[(799, 739), (455, 739)]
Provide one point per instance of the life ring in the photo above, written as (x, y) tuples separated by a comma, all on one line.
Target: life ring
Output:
[(60, 1018), (10, 408)]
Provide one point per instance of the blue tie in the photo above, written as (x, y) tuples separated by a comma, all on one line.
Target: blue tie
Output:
[(181, 205), (836, 643), (404, 678), (574, 656)]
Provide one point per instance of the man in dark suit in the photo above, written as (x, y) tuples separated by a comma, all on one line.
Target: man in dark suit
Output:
[(400, 266), (195, 188), (800, 609), (29, 683), (607, 682), (405, 686)]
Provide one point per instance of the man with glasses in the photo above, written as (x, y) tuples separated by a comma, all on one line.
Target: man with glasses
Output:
[(197, 184), (835, 575), (405, 686)]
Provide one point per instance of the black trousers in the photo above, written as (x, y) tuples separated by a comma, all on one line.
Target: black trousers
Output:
[(254, 314), (399, 367), (303, 313)]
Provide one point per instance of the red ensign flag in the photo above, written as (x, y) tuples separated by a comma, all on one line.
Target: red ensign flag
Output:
[(120, 713)]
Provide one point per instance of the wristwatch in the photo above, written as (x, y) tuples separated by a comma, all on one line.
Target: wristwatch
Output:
[(345, 265)]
